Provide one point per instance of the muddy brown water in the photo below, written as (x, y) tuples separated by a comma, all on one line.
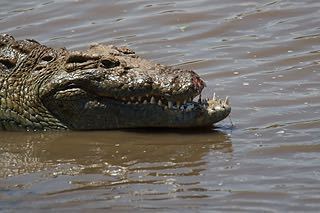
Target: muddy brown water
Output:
[(264, 54)]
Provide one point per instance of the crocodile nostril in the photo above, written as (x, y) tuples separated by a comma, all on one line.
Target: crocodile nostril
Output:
[(198, 83)]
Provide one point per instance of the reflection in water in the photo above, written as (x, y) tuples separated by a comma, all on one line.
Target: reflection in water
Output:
[(164, 160)]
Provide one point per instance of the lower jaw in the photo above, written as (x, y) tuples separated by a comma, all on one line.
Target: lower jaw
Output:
[(124, 116)]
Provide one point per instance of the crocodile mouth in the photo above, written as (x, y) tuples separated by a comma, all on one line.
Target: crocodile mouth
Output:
[(187, 105), (214, 104), (80, 107)]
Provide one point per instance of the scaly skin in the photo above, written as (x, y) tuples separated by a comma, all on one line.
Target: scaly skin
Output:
[(104, 87)]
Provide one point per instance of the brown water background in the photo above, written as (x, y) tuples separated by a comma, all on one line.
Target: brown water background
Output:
[(264, 54)]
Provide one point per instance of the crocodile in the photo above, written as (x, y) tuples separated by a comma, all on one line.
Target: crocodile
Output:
[(103, 87)]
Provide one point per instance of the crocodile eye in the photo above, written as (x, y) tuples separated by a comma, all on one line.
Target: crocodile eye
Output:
[(47, 58), (109, 62)]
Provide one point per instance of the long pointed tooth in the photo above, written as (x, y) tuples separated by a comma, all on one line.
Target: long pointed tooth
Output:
[(160, 102), (132, 98), (178, 104), (152, 100), (214, 96), (227, 100), (129, 102), (139, 98), (217, 108), (169, 104), (185, 101), (136, 102), (145, 102), (190, 99), (199, 100)]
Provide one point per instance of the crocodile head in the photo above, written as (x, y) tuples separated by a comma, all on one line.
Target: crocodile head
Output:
[(106, 87)]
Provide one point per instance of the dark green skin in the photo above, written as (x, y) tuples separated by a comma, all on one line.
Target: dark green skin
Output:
[(104, 87)]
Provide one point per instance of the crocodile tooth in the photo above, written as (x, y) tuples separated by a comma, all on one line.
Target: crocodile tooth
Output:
[(152, 100), (132, 98), (185, 101), (169, 104), (217, 108), (178, 104), (139, 98), (226, 102), (145, 102), (129, 102), (190, 99), (214, 96), (159, 103), (199, 100)]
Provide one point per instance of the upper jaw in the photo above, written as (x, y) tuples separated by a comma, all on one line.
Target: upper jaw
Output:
[(179, 105), (182, 101)]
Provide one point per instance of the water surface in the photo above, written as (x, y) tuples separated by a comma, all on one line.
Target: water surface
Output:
[(265, 55)]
